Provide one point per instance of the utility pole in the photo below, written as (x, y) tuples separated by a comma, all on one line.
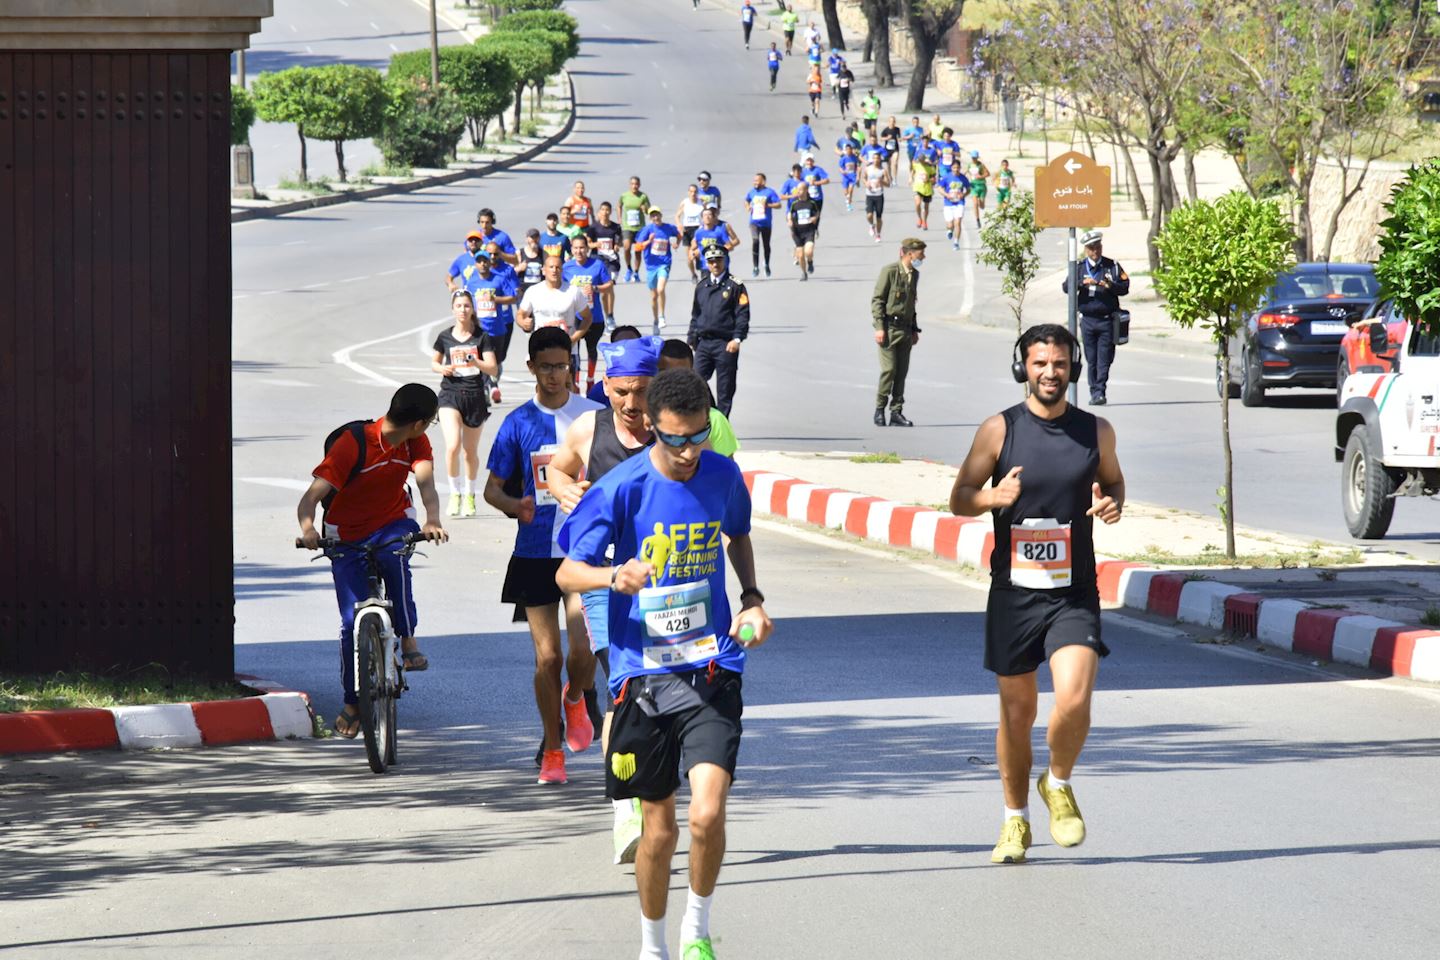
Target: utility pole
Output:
[(242, 156), (434, 49)]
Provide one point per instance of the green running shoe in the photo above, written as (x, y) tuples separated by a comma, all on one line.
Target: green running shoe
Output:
[(453, 508), (697, 950), (1014, 841), (1066, 826), (627, 833)]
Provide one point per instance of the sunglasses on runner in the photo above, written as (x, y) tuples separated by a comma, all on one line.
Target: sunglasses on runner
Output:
[(678, 440)]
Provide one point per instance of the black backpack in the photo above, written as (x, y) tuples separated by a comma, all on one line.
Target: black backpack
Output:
[(356, 429)]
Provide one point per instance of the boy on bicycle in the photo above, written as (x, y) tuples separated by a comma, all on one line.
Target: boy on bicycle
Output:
[(373, 504)]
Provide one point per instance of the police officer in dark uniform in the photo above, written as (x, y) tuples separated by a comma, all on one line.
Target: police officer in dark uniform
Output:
[(1101, 285), (719, 323)]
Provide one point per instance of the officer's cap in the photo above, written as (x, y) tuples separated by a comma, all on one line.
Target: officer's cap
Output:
[(1089, 237), (714, 253)]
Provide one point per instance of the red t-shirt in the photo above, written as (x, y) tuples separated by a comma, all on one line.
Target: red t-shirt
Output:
[(379, 493)]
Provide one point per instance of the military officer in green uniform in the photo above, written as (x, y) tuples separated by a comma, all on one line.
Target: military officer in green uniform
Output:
[(893, 310)]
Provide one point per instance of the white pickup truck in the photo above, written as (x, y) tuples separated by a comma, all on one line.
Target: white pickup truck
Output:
[(1386, 434)]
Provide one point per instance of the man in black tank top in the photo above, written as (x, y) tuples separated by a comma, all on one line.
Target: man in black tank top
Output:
[(1051, 470), (596, 443)]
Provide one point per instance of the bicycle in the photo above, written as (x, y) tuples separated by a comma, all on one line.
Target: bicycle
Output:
[(379, 679)]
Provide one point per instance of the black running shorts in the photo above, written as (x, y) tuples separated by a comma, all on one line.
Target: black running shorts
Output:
[(687, 237), (472, 403), (875, 205), (666, 723), (530, 582), (803, 235), (1024, 627)]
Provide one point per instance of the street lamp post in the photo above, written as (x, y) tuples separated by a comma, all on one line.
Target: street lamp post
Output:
[(434, 48)]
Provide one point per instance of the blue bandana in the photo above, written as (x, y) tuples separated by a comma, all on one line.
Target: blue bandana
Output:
[(632, 358)]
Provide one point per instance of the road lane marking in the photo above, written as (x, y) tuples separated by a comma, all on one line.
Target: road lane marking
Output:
[(284, 483), (386, 226), (1207, 381), (394, 49), (967, 303), (345, 355), (312, 286), (294, 243), (386, 273), (374, 26), (355, 279)]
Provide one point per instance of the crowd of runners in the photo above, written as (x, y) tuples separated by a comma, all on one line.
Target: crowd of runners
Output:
[(617, 471)]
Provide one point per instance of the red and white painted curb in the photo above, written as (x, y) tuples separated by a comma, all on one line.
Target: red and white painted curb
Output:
[(278, 714), (1347, 636)]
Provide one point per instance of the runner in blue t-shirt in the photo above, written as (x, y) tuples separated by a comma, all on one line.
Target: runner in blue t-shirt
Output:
[(911, 137), (954, 187), (773, 56), (518, 487), (593, 276), (657, 243), (747, 21), (677, 654), (490, 233), (815, 179), (849, 165), (761, 200), (833, 63), (464, 261), (713, 232), (792, 184)]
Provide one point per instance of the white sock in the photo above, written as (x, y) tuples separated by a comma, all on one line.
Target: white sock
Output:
[(1023, 813), (696, 925), (1055, 781), (469, 486), (623, 809), (652, 939), (455, 485)]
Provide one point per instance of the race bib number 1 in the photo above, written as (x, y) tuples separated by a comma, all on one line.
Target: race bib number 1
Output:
[(1040, 556), (540, 470)]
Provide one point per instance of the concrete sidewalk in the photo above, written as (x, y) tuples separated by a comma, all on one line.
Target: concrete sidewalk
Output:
[(1331, 601)]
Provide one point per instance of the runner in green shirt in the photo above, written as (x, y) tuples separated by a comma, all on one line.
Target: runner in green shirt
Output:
[(870, 111), (634, 206), (1004, 182), (677, 354), (788, 21)]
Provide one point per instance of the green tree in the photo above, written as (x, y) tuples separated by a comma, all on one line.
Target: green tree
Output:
[(284, 97), (1217, 258), (349, 104), (519, 5), (532, 59), (422, 125), (1409, 264), (242, 115), (483, 79), (1008, 244), (529, 21), (337, 102)]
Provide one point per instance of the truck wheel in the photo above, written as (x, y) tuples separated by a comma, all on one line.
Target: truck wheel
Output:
[(1252, 383), (1342, 371), (1366, 489)]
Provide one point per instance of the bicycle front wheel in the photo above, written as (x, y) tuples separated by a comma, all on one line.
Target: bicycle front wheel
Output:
[(373, 691)]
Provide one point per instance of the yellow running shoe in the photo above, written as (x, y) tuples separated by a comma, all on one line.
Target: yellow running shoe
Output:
[(467, 505), (1067, 828), (1014, 841), (453, 508)]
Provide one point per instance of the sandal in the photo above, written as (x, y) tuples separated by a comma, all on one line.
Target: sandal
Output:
[(347, 724), (415, 661)]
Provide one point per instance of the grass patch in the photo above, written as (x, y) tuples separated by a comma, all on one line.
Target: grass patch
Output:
[(385, 170), (315, 188), (885, 456), (67, 690), (1212, 556), (1431, 617)]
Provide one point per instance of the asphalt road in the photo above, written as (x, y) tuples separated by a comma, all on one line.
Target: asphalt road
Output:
[(1239, 804)]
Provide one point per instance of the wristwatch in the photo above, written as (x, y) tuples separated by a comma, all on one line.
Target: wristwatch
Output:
[(752, 592)]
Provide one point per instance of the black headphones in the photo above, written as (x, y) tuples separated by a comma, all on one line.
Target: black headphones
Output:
[(1017, 364)]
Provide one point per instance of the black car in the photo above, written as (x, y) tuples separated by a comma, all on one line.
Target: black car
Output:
[(1293, 338)]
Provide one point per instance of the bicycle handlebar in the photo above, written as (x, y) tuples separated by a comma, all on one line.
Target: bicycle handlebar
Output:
[(334, 543)]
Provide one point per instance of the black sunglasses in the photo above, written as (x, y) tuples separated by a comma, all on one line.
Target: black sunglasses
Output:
[(678, 440)]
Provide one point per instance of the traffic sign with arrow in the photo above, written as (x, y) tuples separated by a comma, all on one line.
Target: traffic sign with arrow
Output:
[(1072, 191)]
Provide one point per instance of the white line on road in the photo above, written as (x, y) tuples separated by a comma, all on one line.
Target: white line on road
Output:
[(374, 26), (386, 273), (387, 226), (394, 49), (284, 483), (292, 29), (310, 50), (342, 3), (967, 303), (344, 355), (1208, 381), (355, 279), (312, 286), (294, 243)]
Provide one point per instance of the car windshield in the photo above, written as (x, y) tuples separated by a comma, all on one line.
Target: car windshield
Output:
[(1318, 285)]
